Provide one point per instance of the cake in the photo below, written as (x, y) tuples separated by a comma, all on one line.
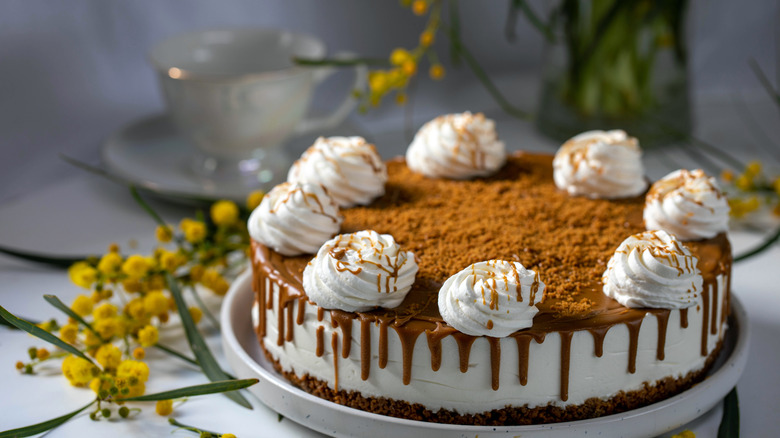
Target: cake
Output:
[(578, 310)]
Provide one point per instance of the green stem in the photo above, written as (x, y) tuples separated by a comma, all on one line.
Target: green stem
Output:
[(484, 78), (455, 58), (205, 309), (516, 6), (153, 214), (199, 431), (175, 353), (331, 62), (92, 169), (693, 141), (759, 72), (764, 140), (44, 426), (8, 324), (771, 240), (59, 305), (729, 423), (56, 261)]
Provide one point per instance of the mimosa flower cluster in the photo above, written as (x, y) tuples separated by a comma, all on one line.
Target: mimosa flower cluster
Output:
[(127, 303)]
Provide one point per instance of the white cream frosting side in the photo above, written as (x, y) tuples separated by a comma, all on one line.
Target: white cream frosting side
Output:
[(349, 167), (590, 376), (492, 298), (456, 146), (600, 164), (360, 271), (687, 204), (295, 219), (653, 269)]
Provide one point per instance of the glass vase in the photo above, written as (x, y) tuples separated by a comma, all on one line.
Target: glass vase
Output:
[(616, 64)]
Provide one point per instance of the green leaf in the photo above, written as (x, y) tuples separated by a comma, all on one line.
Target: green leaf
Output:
[(759, 72), (455, 58), (330, 62), (137, 197), (46, 259), (42, 427), (181, 356), (204, 308), (92, 169), (56, 302), (483, 77), (729, 423), (42, 334), (4, 322), (771, 240), (133, 190), (175, 353), (191, 391), (531, 16), (199, 431), (199, 348), (153, 214)]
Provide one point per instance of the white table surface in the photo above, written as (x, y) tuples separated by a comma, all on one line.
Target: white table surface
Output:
[(82, 214)]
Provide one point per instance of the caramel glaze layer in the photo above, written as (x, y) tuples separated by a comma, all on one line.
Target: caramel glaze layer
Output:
[(519, 215)]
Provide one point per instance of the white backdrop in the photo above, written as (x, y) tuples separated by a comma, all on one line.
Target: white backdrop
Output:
[(74, 71)]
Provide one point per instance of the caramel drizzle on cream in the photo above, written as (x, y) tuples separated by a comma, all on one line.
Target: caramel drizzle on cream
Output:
[(465, 138), (310, 199), (270, 268), (685, 179), (392, 268)]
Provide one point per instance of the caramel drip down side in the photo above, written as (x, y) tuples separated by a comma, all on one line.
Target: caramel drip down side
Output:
[(343, 321), (495, 361), (726, 300), (434, 343), (598, 340), (523, 340), (715, 302), (301, 310), (334, 345), (383, 343), (565, 363), (408, 338), (464, 349), (365, 348), (288, 336), (705, 313), (260, 294), (663, 322), (320, 341), (633, 343), (280, 322), (684, 318), (523, 345)]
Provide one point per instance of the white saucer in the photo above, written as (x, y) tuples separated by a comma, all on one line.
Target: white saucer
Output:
[(152, 155), (247, 361)]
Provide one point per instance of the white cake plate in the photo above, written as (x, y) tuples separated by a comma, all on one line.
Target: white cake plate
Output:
[(151, 154), (247, 360)]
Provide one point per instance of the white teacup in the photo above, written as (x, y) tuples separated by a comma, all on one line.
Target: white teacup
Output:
[(236, 94)]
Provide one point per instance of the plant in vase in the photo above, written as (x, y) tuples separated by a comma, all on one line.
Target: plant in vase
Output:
[(615, 63)]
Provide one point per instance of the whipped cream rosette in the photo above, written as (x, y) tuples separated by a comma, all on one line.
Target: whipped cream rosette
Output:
[(295, 219), (360, 271), (492, 298), (456, 146), (687, 204), (653, 269), (348, 167), (600, 164)]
